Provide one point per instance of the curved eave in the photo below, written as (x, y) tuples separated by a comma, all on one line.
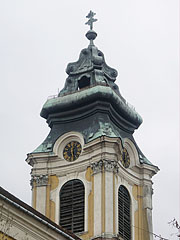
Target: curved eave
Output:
[(89, 95), (151, 168)]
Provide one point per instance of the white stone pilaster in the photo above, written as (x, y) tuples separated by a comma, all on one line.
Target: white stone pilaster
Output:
[(40, 182), (41, 199), (103, 189), (147, 204), (97, 204), (109, 202)]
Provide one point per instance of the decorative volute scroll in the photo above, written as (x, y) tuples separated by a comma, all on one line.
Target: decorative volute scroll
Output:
[(108, 165), (40, 180), (111, 166)]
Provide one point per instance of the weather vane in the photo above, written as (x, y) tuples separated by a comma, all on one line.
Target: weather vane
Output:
[(91, 19)]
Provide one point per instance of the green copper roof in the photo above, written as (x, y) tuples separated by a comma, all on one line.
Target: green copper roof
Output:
[(75, 99), (90, 102)]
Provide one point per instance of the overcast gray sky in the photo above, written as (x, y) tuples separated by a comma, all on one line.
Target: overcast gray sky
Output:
[(139, 38)]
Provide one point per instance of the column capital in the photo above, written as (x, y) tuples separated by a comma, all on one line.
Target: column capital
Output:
[(39, 180), (108, 165)]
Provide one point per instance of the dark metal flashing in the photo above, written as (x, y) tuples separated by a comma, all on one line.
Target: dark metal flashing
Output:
[(11, 199)]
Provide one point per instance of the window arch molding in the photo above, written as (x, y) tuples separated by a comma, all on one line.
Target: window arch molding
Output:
[(55, 194), (72, 206), (124, 213), (134, 202), (65, 139), (132, 151)]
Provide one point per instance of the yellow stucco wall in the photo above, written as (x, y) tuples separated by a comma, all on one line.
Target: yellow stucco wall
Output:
[(34, 194), (3, 236), (141, 231), (53, 183), (140, 218), (90, 232)]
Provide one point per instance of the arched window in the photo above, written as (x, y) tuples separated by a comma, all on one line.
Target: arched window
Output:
[(72, 206), (124, 213)]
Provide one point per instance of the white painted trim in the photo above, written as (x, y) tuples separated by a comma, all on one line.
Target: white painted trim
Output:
[(63, 180), (97, 204), (134, 203), (133, 154), (63, 140), (109, 202), (41, 196)]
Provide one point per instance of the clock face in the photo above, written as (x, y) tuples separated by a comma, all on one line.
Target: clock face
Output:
[(72, 151), (125, 159)]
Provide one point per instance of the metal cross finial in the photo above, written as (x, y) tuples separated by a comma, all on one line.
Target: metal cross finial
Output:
[(91, 19)]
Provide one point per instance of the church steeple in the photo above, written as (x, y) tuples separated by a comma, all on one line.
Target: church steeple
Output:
[(91, 68), (90, 80), (89, 175)]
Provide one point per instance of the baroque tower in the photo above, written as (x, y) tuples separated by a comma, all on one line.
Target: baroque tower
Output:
[(89, 175)]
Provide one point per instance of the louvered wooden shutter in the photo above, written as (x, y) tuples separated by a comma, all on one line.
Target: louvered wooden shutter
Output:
[(72, 206), (124, 216)]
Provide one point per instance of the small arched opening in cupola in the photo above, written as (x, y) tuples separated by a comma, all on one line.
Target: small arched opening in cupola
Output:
[(84, 82)]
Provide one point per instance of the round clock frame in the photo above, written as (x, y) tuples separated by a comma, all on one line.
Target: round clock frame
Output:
[(72, 151), (124, 158)]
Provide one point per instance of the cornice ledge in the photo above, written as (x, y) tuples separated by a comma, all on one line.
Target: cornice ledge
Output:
[(151, 170), (105, 236), (33, 157)]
